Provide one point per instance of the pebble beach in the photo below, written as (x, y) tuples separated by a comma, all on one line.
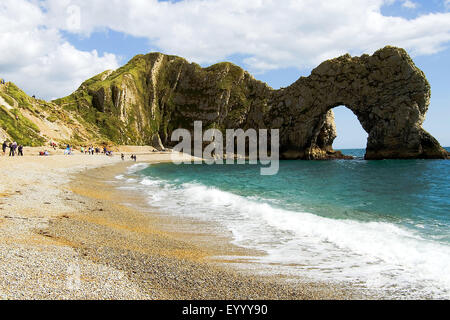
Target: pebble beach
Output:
[(66, 234)]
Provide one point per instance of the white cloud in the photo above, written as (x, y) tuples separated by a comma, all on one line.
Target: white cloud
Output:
[(37, 58), (409, 4), (270, 34)]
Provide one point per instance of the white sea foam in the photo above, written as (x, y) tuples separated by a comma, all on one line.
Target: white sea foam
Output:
[(379, 255), (137, 167), (150, 182)]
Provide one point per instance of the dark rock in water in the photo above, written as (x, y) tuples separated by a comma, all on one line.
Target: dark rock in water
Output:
[(154, 94)]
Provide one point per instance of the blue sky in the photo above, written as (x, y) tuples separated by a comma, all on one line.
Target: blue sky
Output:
[(68, 41)]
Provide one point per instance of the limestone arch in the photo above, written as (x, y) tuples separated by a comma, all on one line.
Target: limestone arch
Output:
[(386, 91)]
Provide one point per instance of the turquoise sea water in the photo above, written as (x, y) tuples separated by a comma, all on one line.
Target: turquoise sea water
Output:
[(380, 224)]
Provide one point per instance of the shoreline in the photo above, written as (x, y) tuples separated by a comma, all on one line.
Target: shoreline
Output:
[(119, 252)]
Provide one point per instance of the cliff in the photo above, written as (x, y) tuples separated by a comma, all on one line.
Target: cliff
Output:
[(34, 122), (154, 94)]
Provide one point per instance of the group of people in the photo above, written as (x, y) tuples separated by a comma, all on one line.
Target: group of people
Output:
[(88, 150), (107, 152), (69, 150), (91, 150), (13, 147), (2, 81), (17, 149), (133, 157)]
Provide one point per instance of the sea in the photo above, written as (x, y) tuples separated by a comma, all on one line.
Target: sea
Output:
[(381, 225)]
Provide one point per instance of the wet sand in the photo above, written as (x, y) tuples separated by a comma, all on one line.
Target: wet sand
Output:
[(65, 233)]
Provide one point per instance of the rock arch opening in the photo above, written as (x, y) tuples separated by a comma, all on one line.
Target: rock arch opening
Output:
[(349, 132)]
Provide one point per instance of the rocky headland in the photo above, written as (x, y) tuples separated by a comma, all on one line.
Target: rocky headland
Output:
[(143, 102)]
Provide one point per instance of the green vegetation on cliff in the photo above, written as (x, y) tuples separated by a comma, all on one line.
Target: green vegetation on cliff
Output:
[(33, 122), (12, 122), (156, 93), (19, 128)]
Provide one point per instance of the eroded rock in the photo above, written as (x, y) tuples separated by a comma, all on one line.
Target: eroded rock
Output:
[(157, 143), (387, 92), (156, 94)]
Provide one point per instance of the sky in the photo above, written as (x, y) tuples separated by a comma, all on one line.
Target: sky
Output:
[(49, 47)]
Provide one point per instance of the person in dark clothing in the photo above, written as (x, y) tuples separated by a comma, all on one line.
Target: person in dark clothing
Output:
[(12, 149), (122, 156), (4, 146), (20, 150)]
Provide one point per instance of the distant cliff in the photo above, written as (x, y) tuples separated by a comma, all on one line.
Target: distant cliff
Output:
[(155, 94)]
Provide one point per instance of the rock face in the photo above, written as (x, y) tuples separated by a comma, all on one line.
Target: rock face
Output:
[(156, 142), (386, 91), (155, 94)]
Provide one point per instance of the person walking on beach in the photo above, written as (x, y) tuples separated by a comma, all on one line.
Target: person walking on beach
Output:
[(122, 156), (20, 151), (4, 146), (12, 149), (68, 150)]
